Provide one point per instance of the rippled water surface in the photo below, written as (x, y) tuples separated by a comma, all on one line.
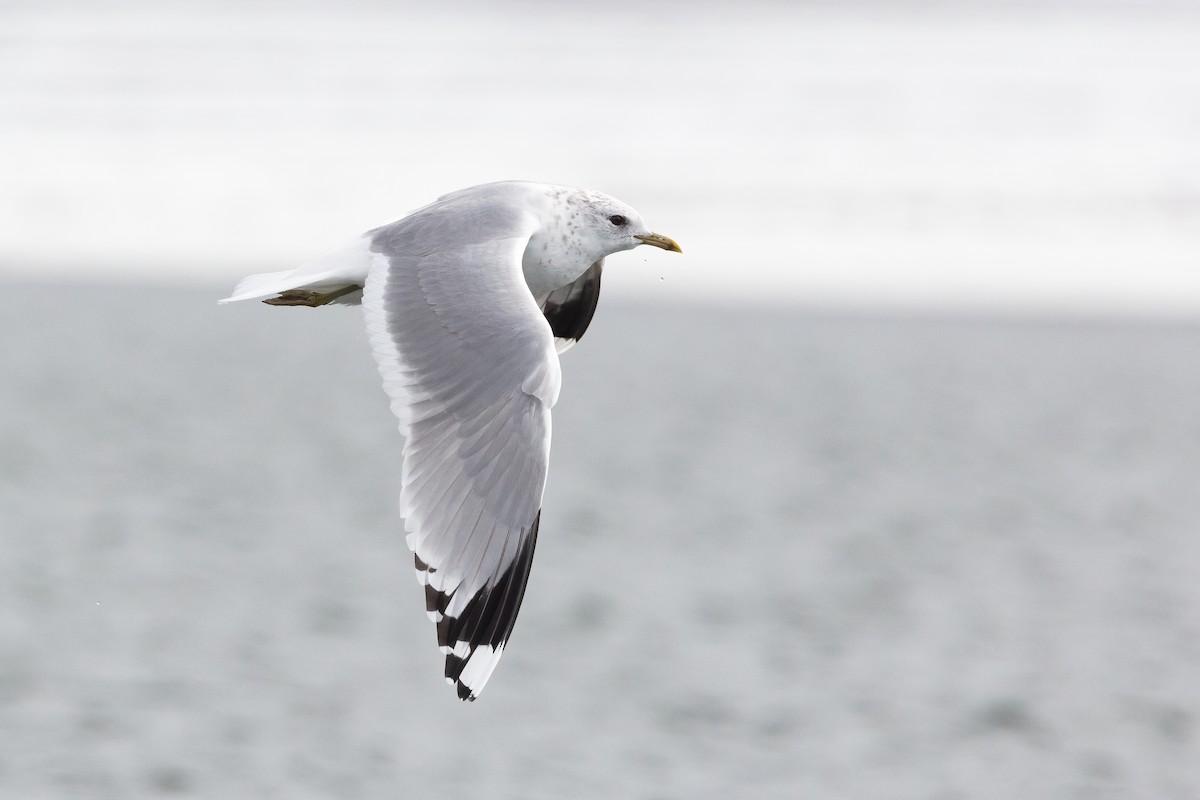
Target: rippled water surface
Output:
[(783, 554)]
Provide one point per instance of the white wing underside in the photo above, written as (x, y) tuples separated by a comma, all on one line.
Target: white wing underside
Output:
[(470, 366)]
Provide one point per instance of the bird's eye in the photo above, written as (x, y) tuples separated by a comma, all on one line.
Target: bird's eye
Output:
[(618, 220)]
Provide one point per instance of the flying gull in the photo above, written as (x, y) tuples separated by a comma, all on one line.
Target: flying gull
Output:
[(468, 302)]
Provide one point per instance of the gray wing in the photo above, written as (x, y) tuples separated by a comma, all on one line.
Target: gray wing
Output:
[(570, 309), (469, 362)]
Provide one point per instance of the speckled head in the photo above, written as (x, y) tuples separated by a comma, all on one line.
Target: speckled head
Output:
[(580, 227)]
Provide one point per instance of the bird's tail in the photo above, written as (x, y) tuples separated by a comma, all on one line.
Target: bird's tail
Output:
[(264, 284), (336, 277)]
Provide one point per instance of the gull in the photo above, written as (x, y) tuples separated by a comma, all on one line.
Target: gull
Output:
[(468, 302)]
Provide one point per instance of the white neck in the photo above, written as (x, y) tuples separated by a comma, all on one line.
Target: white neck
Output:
[(554, 258)]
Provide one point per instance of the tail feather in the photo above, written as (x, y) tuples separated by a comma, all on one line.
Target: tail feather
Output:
[(330, 272), (256, 287)]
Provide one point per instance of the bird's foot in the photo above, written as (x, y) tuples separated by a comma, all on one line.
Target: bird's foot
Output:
[(307, 297)]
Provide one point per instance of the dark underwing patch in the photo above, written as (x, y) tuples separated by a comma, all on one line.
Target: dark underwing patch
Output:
[(569, 309)]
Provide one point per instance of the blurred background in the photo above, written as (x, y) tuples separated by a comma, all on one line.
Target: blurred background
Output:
[(887, 488), (984, 153)]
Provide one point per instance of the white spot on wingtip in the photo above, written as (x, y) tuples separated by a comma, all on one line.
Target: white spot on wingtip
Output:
[(460, 649)]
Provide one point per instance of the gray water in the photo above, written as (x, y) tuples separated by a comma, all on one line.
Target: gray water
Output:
[(785, 554)]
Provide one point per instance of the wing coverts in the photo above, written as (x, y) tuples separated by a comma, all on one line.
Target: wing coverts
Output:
[(472, 374)]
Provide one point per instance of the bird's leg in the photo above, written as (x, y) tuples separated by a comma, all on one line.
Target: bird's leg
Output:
[(307, 297)]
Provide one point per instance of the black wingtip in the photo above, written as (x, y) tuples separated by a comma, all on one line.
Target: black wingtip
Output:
[(489, 617)]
